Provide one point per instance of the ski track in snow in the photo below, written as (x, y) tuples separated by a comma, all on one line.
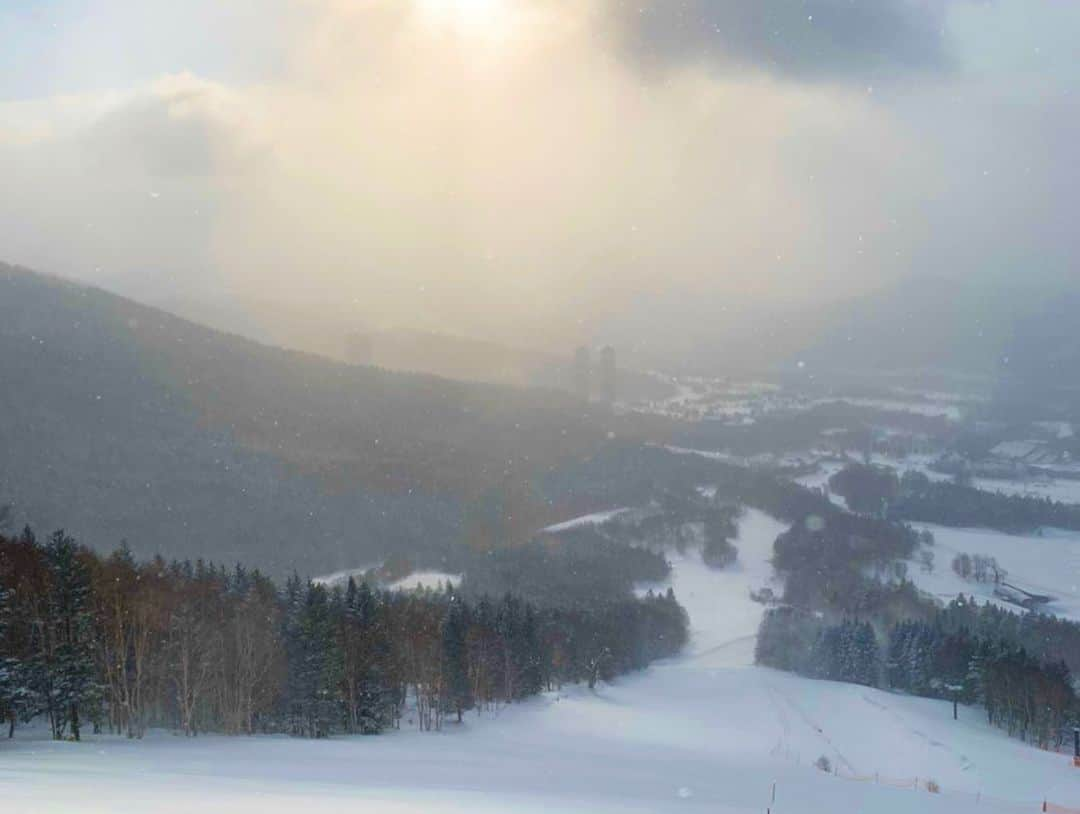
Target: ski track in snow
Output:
[(704, 732)]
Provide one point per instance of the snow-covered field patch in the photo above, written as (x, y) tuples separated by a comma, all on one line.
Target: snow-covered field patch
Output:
[(342, 577), (420, 580), (928, 408), (594, 519), (1061, 490), (1046, 565)]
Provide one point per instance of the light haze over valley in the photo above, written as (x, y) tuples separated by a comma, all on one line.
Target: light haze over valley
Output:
[(489, 405)]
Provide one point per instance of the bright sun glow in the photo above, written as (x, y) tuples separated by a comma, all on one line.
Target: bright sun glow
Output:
[(487, 16)]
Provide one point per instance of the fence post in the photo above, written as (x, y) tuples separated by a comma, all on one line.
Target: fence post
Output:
[(772, 797)]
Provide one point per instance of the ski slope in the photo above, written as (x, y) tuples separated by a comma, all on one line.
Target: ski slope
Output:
[(705, 732)]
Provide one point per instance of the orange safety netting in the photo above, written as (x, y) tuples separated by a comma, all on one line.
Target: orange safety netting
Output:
[(995, 803)]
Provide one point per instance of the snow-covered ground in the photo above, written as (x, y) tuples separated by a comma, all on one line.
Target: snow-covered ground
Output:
[(424, 579), (594, 519), (703, 399), (342, 577), (1047, 565), (926, 407), (820, 480), (705, 732), (1061, 490), (414, 581)]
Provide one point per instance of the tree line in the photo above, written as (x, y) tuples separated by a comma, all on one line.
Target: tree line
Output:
[(850, 614), (913, 497), (1030, 698), (115, 644), (835, 563)]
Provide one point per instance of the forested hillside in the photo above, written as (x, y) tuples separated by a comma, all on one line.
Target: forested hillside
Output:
[(127, 423), (87, 641)]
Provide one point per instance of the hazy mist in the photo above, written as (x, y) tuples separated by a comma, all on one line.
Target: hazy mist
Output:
[(536, 171)]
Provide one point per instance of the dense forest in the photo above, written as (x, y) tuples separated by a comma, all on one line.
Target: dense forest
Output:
[(630, 474), (1029, 697), (849, 613), (578, 566), (913, 497), (121, 645)]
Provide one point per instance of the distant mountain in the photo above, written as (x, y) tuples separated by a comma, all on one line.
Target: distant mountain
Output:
[(1014, 338), (925, 323), (119, 421), (335, 333), (1039, 375), (469, 359)]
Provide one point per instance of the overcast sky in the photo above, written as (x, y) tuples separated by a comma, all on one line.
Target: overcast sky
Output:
[(541, 170)]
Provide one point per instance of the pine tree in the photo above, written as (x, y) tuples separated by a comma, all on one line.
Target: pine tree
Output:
[(72, 686), (16, 698), (529, 655), (865, 651), (315, 664), (456, 684), (379, 692)]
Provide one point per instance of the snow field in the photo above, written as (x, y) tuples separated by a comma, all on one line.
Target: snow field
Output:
[(704, 732), (1048, 565), (419, 580)]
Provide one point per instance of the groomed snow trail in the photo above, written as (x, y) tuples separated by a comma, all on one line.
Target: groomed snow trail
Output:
[(705, 732)]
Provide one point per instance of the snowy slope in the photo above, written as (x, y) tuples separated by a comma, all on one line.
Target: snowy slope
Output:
[(424, 579), (341, 578), (595, 519), (1061, 490), (1047, 565), (705, 732)]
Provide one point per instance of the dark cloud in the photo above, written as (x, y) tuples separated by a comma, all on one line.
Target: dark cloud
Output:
[(804, 39)]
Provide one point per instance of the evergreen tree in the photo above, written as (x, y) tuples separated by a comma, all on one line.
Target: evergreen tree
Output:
[(72, 689), (17, 701), (456, 683), (864, 655), (529, 655)]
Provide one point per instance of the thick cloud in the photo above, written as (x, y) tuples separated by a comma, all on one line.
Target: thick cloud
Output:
[(807, 39), (182, 126), (124, 185), (508, 176)]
